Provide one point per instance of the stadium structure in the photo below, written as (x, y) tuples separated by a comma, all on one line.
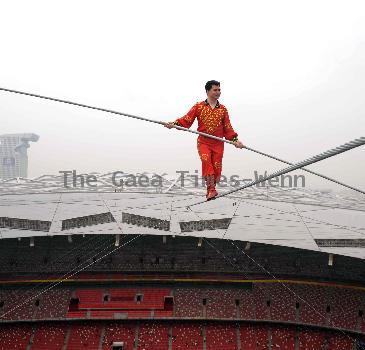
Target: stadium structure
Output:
[(138, 268)]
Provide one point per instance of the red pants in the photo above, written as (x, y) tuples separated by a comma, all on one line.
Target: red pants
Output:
[(211, 156)]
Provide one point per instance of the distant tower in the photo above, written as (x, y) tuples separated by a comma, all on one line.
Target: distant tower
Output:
[(13, 154)]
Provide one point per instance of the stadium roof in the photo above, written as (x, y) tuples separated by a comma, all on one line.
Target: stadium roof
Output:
[(294, 217)]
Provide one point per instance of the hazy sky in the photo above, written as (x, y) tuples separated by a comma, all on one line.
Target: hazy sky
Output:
[(292, 76)]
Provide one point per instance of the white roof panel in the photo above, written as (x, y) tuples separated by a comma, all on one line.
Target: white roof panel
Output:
[(286, 217)]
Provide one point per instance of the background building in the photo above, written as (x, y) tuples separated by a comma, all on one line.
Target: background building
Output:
[(13, 154)]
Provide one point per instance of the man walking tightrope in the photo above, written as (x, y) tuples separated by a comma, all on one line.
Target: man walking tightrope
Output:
[(213, 119)]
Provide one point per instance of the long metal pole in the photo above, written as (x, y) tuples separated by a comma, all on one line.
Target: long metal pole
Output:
[(180, 128)]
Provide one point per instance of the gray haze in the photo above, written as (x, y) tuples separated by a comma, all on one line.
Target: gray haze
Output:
[(292, 77)]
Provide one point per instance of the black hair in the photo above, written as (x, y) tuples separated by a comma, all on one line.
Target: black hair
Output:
[(210, 83)]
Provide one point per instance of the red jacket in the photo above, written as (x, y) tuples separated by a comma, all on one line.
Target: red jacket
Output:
[(214, 121)]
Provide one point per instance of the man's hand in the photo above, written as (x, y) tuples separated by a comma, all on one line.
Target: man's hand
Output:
[(169, 125), (238, 144)]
